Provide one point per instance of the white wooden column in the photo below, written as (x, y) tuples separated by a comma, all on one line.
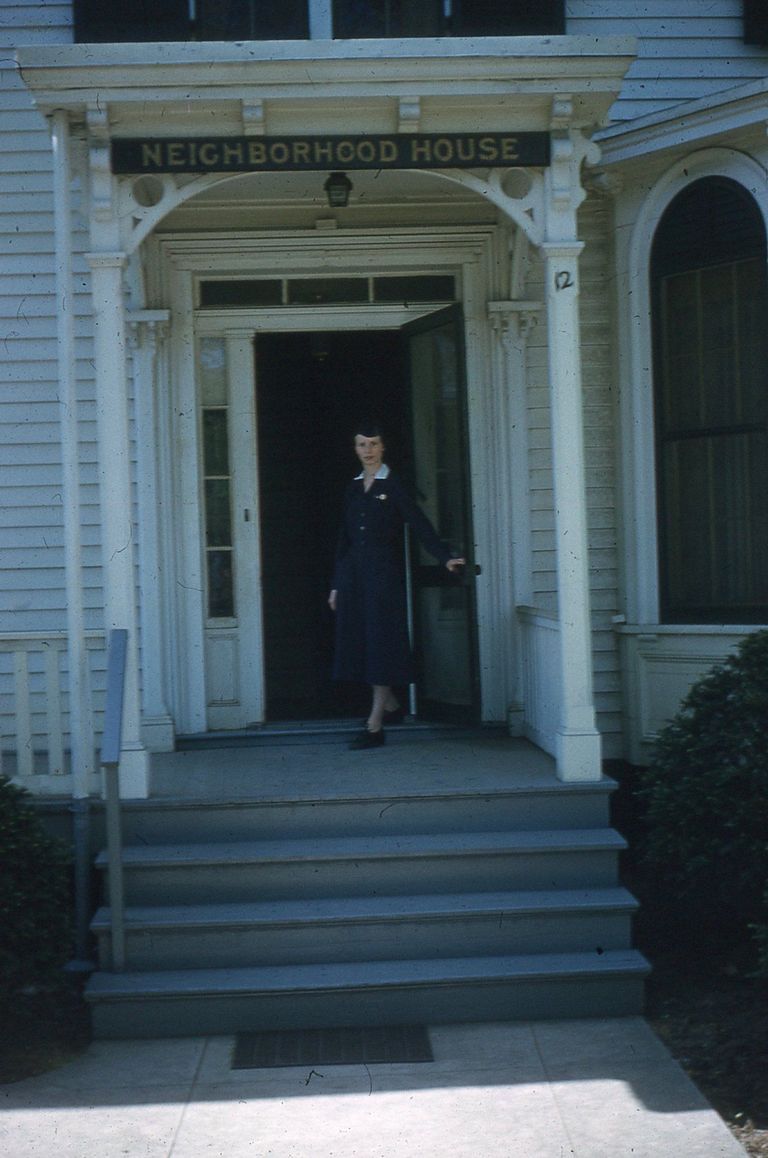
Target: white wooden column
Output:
[(147, 328), (80, 719), (578, 741), (118, 547)]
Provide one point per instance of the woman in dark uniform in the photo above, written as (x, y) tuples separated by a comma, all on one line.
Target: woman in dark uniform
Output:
[(368, 595)]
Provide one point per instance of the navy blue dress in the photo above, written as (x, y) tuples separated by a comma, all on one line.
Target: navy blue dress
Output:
[(372, 643)]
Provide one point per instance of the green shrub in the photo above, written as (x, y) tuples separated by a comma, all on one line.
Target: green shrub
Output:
[(761, 936), (705, 798), (35, 897)]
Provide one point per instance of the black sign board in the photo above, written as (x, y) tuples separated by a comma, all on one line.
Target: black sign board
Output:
[(321, 153)]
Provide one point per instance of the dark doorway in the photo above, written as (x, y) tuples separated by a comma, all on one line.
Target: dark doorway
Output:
[(311, 389)]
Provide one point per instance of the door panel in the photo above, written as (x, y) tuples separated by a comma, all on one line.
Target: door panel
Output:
[(443, 604)]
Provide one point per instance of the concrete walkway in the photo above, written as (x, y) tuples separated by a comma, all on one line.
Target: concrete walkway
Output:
[(576, 1089)]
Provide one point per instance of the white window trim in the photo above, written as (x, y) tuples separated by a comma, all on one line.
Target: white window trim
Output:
[(636, 365)]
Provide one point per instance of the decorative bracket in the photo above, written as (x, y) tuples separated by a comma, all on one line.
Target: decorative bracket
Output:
[(409, 114), (517, 192), (254, 118), (514, 321)]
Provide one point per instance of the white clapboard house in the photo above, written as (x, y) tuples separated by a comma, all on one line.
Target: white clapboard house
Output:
[(533, 237)]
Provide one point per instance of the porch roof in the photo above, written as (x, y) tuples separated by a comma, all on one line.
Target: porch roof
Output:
[(522, 76)]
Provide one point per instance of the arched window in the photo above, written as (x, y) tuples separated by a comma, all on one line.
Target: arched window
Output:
[(710, 325)]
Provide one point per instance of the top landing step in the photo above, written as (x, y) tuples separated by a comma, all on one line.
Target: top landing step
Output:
[(331, 731), (454, 763)]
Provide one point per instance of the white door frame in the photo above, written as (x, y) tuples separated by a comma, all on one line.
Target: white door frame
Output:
[(470, 254)]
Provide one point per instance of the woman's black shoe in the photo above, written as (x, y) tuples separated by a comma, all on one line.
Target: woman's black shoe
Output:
[(366, 739)]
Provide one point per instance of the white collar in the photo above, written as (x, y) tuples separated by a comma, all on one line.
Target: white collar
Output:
[(382, 472)]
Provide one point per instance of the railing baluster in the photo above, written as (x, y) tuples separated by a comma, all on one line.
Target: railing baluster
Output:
[(110, 760), (53, 711), (25, 759), (38, 721)]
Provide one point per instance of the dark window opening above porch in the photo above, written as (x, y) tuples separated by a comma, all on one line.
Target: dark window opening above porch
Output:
[(225, 20), (755, 22), (710, 315)]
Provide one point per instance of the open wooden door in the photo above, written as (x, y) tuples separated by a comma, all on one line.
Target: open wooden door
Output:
[(444, 620)]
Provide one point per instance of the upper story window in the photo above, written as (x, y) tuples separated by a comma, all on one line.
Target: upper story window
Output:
[(756, 22), (166, 20), (710, 322)]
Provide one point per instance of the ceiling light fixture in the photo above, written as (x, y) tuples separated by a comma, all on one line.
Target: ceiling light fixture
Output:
[(337, 188)]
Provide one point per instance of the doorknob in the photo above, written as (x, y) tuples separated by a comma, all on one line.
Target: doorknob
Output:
[(470, 569)]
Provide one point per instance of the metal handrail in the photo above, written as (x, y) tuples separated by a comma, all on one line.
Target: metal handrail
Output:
[(110, 762)]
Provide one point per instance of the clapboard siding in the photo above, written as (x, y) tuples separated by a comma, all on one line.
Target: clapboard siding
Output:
[(595, 223), (686, 48), (32, 590)]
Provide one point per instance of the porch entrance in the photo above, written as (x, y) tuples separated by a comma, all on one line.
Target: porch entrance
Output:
[(310, 390)]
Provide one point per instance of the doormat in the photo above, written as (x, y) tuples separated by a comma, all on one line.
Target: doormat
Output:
[(332, 1047)]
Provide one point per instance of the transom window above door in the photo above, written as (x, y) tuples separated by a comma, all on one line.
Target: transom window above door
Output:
[(252, 293), (168, 20)]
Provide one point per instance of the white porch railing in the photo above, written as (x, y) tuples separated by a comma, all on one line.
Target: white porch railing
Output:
[(34, 707), (540, 637)]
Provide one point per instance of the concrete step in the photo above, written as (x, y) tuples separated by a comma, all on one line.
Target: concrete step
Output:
[(239, 872), (377, 811), (216, 1001), (370, 928)]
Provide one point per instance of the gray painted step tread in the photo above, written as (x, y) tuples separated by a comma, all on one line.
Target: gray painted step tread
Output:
[(341, 909), (369, 847), (384, 795), (362, 975), (365, 974)]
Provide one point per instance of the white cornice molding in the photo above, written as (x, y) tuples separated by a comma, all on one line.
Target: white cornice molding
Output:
[(692, 123), (66, 76)]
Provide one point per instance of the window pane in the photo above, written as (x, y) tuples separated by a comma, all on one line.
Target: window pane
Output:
[(215, 442), (241, 292), (326, 290), (720, 392), (140, 20), (414, 289), (218, 519), (678, 398), (521, 18), (252, 20), (213, 372), (716, 528), (221, 600), (372, 18), (751, 314)]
